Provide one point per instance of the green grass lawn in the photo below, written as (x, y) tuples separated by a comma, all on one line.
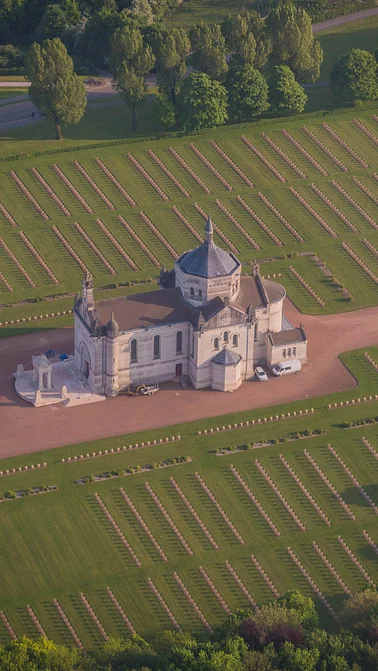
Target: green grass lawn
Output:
[(337, 41), (60, 544)]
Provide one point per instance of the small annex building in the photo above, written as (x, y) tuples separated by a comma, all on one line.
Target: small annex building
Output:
[(207, 322)]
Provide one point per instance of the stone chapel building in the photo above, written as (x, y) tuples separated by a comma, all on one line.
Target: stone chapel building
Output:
[(207, 322)]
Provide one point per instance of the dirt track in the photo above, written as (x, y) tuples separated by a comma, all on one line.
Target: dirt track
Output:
[(26, 429)]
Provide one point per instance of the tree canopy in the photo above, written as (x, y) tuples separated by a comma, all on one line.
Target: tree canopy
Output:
[(56, 90), (286, 94), (248, 92), (173, 49), (202, 102), (209, 49), (355, 77)]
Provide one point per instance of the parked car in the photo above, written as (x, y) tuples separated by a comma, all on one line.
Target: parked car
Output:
[(287, 367), (261, 374)]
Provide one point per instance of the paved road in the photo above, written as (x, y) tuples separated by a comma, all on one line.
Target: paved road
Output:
[(348, 18), (26, 429)]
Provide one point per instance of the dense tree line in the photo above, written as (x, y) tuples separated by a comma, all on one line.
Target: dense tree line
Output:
[(282, 636)]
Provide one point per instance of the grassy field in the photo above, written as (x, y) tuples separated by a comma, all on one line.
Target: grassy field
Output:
[(338, 40), (326, 265), (61, 544)]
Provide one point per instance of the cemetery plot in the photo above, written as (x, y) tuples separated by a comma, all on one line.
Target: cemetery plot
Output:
[(7, 215), (50, 192), (68, 624), (331, 568), (139, 242), (29, 196), (116, 244), (169, 174), (148, 177), (95, 249), (72, 189), (255, 501), (241, 586), (329, 484), (355, 205), (279, 494), (187, 223), (214, 590), (325, 149), (259, 221), (305, 491), (219, 508), (195, 515), (285, 157), (263, 158), (210, 167), (219, 232), (232, 164), (168, 518), (17, 263), (268, 581), (118, 530), (369, 539), (312, 583), (334, 209), (191, 601), (94, 186), (143, 525), (159, 235), (313, 212), (120, 610), (189, 170), (70, 250), (163, 604), (235, 222), (304, 152), (38, 257), (355, 561), (280, 217), (35, 621), (345, 145), (116, 183), (362, 126), (94, 617)]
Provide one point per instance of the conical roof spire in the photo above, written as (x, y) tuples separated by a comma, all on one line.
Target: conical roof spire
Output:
[(209, 230)]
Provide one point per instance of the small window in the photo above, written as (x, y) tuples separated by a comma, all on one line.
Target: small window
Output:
[(157, 347), (235, 340), (255, 332), (134, 351), (216, 343), (289, 351), (226, 336), (179, 342), (192, 352), (200, 294), (294, 351), (191, 292), (284, 353)]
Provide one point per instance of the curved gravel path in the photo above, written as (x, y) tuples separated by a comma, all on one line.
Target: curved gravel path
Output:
[(26, 429)]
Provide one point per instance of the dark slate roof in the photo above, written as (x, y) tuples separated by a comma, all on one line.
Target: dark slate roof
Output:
[(227, 357), (208, 260), (288, 337)]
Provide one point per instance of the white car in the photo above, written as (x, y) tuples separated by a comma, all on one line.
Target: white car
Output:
[(261, 374)]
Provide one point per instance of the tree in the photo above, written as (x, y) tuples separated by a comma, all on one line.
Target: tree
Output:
[(173, 49), (247, 39), (209, 50), (248, 92), (55, 88), (286, 95), (354, 77), (164, 111), (130, 61), (142, 10), (202, 102), (293, 42), (53, 23), (360, 612)]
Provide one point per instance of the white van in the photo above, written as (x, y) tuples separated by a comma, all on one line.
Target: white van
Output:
[(287, 367)]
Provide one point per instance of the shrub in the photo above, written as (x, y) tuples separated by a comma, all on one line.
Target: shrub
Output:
[(91, 478), (10, 495)]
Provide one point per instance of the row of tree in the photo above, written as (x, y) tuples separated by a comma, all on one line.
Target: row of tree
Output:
[(282, 636)]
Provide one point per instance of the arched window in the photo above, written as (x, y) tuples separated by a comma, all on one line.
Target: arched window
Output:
[(216, 343), (200, 294), (179, 342), (235, 340), (157, 347), (134, 351), (226, 336), (191, 292)]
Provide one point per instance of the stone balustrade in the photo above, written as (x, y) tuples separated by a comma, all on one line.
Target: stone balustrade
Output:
[(94, 186), (117, 530), (329, 484), (148, 177), (371, 247), (38, 257), (68, 624), (366, 131), (116, 183), (281, 497), (214, 590), (334, 209), (345, 145), (354, 204), (94, 248), (6, 284), (259, 221), (70, 250), (117, 450), (268, 581), (139, 242), (254, 500), (168, 518), (370, 447), (169, 174), (191, 601), (353, 478), (365, 190), (304, 152), (143, 525), (235, 222), (305, 491), (210, 166), (312, 582), (355, 561), (218, 231), (241, 586), (257, 422), (23, 469), (52, 315), (285, 157), (187, 223), (354, 401), (313, 212), (219, 508), (307, 286), (263, 158), (232, 164), (280, 217), (29, 196), (121, 611), (369, 539), (197, 518), (35, 621), (331, 568), (17, 263), (7, 625), (93, 616), (188, 169), (73, 190), (324, 148), (50, 192), (159, 235), (7, 215), (360, 262), (163, 604), (116, 244)]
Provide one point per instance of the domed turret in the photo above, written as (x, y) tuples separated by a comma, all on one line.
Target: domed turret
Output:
[(112, 328)]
